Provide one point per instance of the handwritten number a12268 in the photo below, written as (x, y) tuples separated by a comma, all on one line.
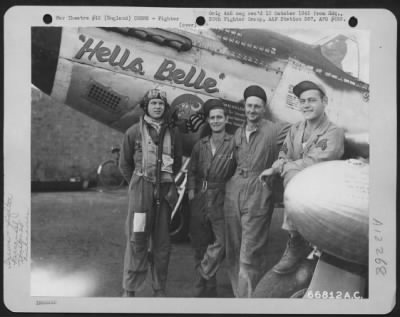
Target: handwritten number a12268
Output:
[(381, 268)]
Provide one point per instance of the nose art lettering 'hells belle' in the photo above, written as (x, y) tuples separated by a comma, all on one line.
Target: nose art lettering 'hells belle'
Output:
[(169, 71), (331, 211), (104, 55)]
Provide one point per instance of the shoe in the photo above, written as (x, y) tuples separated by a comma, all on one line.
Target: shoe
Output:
[(127, 293), (296, 250), (210, 292), (211, 287), (159, 293), (200, 287)]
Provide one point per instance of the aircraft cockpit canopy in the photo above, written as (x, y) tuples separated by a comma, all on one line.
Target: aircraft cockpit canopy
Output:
[(343, 52)]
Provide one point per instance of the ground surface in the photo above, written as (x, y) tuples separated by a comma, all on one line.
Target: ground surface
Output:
[(78, 245)]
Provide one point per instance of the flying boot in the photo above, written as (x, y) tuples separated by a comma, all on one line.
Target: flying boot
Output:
[(297, 249)]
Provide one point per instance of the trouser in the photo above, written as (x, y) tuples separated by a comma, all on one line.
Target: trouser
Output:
[(207, 231), (146, 229), (287, 224), (247, 235)]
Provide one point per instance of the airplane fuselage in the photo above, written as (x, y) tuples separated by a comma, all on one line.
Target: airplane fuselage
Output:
[(104, 73)]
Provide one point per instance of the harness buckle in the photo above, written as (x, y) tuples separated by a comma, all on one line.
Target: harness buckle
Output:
[(243, 173), (204, 186)]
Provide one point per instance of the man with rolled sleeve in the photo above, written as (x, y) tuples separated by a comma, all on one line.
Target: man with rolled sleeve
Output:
[(211, 165), (313, 140), (248, 204)]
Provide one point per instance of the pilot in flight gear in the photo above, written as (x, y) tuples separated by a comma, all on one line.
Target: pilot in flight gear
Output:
[(248, 204), (210, 167), (308, 142), (151, 154)]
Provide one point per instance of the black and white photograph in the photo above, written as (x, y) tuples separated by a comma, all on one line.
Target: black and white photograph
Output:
[(201, 161)]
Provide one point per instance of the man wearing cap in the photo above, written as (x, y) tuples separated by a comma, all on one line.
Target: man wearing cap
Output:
[(150, 156), (211, 165), (313, 140), (248, 206)]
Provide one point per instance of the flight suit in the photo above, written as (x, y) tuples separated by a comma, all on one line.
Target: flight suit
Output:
[(248, 205), (207, 175), (325, 143), (144, 228)]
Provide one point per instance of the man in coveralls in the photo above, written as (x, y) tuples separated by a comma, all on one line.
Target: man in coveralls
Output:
[(248, 205), (210, 167), (147, 225), (308, 142)]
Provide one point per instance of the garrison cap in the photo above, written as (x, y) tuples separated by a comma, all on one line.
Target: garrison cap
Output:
[(307, 85), (256, 91), (212, 104)]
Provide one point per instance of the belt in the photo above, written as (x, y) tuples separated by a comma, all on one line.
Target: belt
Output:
[(204, 185), (165, 176), (246, 173)]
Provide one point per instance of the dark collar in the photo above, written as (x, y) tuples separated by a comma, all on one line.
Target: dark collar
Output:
[(207, 138)]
